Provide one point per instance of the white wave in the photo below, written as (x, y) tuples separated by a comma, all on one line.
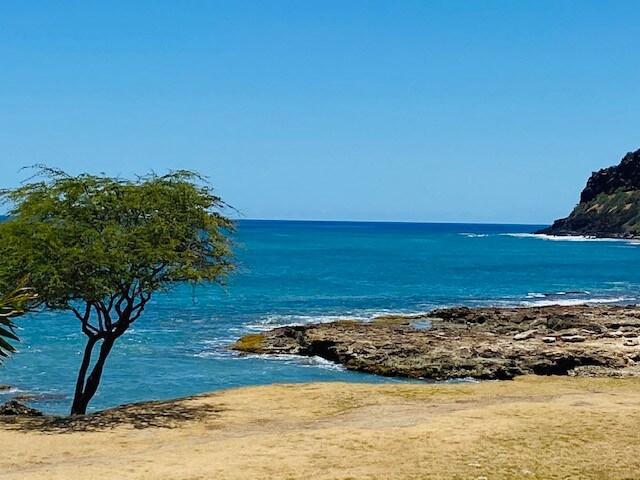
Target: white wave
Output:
[(12, 391), (300, 360), (273, 321), (205, 354), (571, 238), (473, 235), (576, 301), (218, 353), (555, 294), (319, 362), (465, 380)]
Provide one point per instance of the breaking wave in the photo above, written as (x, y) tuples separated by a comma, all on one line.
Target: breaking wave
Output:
[(577, 301), (571, 238)]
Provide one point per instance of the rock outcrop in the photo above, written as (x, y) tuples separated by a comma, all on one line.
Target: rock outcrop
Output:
[(482, 343), (625, 176), (609, 204), (13, 407)]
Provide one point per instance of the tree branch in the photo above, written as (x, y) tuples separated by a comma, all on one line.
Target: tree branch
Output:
[(137, 310), (88, 329), (99, 315), (87, 312), (104, 317)]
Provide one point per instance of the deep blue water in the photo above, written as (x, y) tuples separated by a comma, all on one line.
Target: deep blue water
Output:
[(294, 272)]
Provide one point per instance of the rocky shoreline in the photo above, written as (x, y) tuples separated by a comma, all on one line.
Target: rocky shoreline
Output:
[(481, 343), (589, 235)]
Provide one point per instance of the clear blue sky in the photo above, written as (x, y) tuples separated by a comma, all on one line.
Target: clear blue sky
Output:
[(479, 111)]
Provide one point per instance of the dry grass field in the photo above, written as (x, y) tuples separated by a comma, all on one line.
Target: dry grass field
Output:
[(530, 428)]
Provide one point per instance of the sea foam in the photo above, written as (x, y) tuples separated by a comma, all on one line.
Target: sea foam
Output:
[(571, 238), (576, 301)]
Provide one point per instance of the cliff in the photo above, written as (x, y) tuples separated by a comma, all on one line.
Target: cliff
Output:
[(609, 204)]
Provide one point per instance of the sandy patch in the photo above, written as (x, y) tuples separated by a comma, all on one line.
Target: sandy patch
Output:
[(533, 427)]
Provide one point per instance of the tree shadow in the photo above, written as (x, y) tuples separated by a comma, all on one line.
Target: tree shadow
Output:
[(155, 414)]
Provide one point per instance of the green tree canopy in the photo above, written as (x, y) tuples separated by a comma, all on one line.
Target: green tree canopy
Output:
[(99, 247)]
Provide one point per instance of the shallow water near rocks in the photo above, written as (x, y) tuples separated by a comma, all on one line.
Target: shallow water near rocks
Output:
[(300, 272)]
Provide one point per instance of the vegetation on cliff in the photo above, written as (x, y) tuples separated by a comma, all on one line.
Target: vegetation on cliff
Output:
[(609, 204)]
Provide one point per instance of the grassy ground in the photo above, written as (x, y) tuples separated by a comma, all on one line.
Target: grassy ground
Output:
[(533, 427)]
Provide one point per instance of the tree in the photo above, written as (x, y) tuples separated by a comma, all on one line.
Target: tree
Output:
[(99, 247), (12, 304)]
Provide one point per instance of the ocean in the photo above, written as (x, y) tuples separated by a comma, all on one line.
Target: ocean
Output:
[(301, 272)]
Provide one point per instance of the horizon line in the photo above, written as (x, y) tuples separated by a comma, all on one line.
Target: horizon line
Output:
[(385, 221)]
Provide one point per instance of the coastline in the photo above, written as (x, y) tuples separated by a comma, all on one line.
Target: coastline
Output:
[(481, 343), (577, 418), (311, 284), (532, 427), (551, 232)]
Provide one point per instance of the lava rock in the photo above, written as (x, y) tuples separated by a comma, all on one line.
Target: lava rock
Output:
[(525, 335), (573, 338), (16, 408), (462, 342)]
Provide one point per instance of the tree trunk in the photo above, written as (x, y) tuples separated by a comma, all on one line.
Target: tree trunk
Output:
[(86, 389), (86, 360)]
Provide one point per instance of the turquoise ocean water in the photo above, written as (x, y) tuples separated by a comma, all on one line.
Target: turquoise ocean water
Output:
[(299, 272)]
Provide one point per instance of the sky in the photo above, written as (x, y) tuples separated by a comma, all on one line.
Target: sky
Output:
[(446, 111)]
